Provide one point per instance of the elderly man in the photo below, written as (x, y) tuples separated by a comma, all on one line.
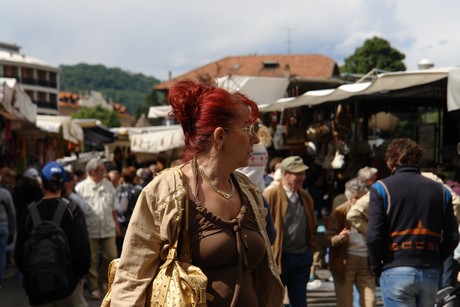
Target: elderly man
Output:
[(102, 222), (293, 213)]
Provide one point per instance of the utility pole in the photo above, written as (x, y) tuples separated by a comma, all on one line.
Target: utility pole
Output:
[(289, 39)]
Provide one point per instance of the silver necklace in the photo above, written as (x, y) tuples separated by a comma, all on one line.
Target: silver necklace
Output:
[(215, 189)]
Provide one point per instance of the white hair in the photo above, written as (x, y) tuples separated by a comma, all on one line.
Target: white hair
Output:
[(94, 164), (352, 187), (366, 173)]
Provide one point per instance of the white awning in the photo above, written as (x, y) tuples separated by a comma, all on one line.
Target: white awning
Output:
[(383, 83), (15, 101), (70, 130), (453, 90), (263, 90), (159, 111), (156, 139)]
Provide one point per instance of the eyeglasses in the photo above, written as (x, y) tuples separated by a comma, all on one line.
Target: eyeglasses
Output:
[(251, 130)]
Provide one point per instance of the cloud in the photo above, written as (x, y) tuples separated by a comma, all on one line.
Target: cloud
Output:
[(156, 37)]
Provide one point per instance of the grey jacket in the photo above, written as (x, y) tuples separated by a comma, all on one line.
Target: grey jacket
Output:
[(7, 211)]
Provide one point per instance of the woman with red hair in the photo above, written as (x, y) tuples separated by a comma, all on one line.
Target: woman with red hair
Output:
[(228, 240)]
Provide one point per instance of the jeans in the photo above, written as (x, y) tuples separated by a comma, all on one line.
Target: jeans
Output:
[(295, 275), (409, 286), (4, 233)]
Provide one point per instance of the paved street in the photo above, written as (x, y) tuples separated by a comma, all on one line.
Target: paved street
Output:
[(13, 295), (320, 293)]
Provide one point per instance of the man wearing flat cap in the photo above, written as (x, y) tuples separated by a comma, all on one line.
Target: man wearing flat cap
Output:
[(292, 209)]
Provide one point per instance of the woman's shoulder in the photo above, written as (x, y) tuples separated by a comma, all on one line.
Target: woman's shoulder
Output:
[(168, 176), (242, 178), (167, 182)]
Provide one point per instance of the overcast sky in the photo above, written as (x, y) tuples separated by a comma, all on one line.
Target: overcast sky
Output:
[(155, 37)]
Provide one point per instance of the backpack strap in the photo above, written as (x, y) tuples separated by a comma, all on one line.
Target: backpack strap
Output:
[(34, 214), (59, 213)]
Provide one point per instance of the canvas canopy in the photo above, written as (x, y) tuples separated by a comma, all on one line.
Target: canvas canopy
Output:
[(263, 90), (155, 139), (383, 83), (64, 125), (94, 132), (159, 111), (14, 101)]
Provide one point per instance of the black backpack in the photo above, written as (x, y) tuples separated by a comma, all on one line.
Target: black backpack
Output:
[(448, 297), (48, 261)]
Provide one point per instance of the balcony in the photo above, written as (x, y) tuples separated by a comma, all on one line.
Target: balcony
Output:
[(52, 105)]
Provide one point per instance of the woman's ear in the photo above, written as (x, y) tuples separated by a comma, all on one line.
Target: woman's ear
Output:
[(219, 137)]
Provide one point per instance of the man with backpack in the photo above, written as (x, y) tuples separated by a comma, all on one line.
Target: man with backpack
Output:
[(52, 249)]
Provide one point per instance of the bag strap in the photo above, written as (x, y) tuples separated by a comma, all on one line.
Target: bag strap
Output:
[(172, 251), (183, 233), (34, 214), (59, 213), (57, 216), (185, 254)]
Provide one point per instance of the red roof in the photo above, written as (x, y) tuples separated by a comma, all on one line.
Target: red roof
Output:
[(290, 65)]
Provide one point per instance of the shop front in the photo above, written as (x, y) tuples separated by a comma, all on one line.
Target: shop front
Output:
[(338, 131), (356, 120)]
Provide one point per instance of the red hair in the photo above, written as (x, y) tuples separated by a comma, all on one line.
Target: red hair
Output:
[(200, 109)]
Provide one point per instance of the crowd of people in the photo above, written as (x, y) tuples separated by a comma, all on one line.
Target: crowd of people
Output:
[(253, 218), (100, 206)]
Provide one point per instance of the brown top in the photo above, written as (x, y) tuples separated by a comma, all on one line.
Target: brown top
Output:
[(156, 218), (227, 251)]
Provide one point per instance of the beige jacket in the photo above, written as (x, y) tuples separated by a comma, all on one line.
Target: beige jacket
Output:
[(358, 213), (153, 223)]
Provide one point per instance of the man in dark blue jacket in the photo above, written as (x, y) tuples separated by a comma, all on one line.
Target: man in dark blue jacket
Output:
[(411, 229)]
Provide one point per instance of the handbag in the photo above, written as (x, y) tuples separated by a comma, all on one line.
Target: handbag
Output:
[(178, 282)]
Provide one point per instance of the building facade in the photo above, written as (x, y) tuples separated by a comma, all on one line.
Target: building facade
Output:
[(40, 80)]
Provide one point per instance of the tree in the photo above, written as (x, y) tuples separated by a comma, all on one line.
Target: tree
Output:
[(127, 88), (108, 118), (374, 53)]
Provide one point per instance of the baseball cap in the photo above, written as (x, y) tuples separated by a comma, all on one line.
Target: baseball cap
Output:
[(293, 164), (54, 171), (31, 173)]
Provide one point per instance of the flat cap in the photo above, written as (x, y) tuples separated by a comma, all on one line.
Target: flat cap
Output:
[(293, 164)]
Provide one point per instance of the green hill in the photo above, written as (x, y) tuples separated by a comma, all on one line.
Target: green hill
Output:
[(129, 89)]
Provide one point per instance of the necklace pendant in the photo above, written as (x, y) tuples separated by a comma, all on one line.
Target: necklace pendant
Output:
[(214, 188)]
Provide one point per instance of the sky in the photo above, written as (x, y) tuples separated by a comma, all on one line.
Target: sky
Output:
[(162, 37)]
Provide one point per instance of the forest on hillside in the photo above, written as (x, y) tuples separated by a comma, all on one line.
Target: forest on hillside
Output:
[(133, 90)]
